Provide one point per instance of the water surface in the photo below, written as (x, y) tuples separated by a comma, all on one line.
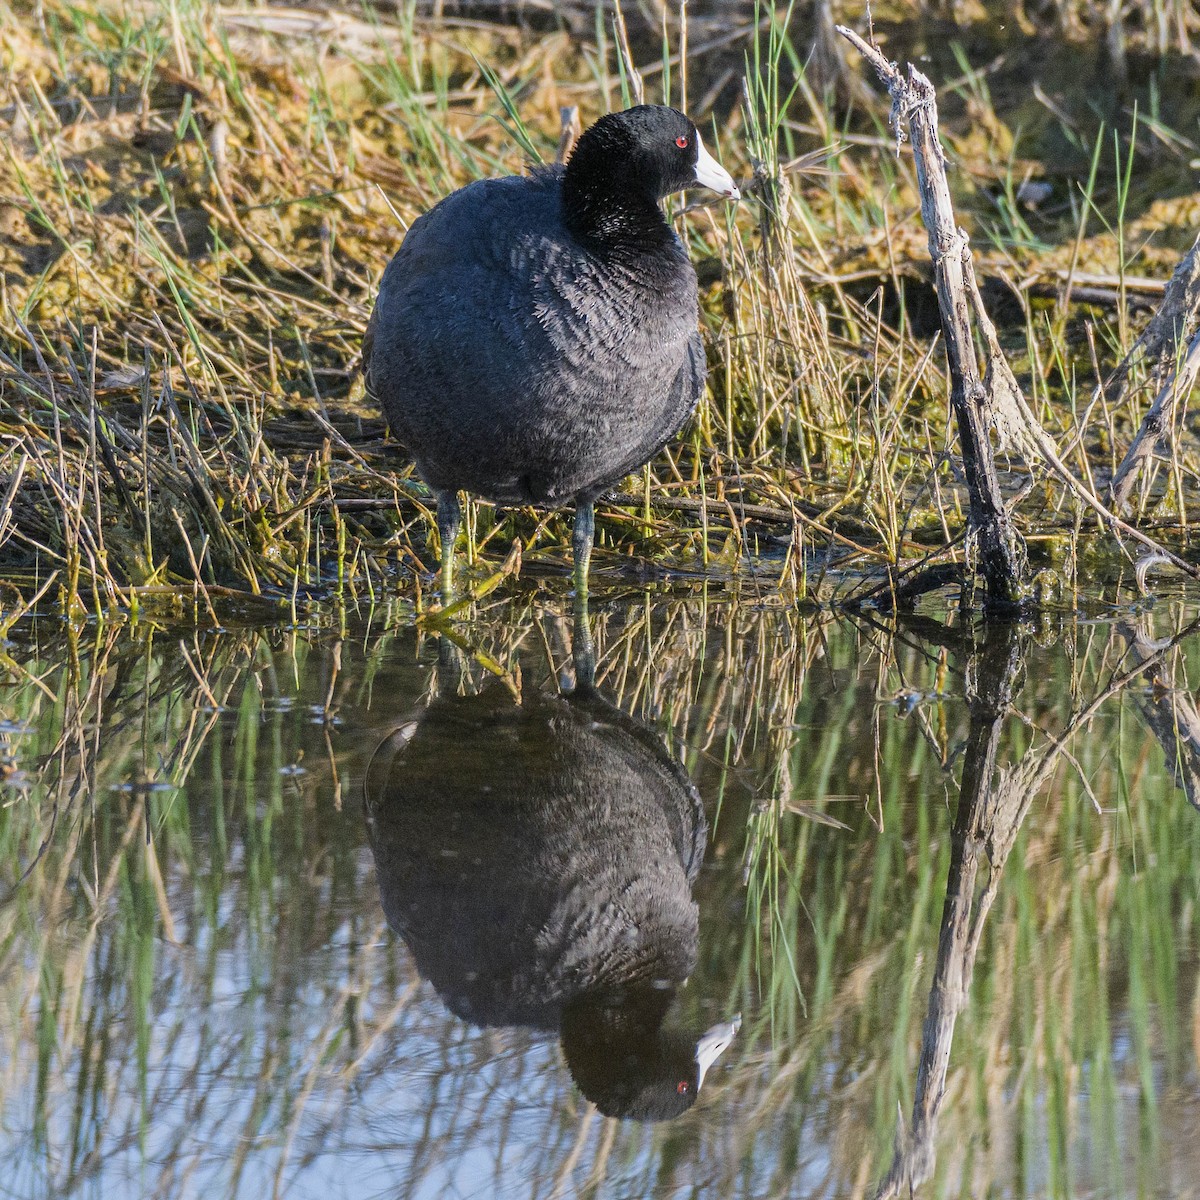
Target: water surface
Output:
[(940, 873)]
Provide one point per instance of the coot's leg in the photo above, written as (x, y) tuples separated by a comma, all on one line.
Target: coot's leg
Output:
[(581, 543), (449, 519), (582, 651)]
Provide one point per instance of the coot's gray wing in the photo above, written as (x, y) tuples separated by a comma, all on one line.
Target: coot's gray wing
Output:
[(446, 323)]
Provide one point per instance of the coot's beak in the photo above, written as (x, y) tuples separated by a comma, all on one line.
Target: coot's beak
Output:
[(711, 174), (710, 1047)]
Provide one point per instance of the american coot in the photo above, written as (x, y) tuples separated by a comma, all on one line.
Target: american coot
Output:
[(538, 859), (535, 336)]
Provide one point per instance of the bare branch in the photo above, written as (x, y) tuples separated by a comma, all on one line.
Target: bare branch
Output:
[(1173, 323), (997, 402), (1001, 553)]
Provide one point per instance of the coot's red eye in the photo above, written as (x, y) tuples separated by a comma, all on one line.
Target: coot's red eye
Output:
[(681, 141), (682, 1086)]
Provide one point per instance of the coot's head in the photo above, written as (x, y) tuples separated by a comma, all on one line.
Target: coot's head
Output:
[(627, 1064), (628, 161)]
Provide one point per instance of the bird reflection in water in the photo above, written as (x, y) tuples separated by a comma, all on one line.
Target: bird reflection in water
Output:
[(537, 858)]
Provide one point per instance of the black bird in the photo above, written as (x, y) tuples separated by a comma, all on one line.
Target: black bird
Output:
[(535, 338), (537, 859)]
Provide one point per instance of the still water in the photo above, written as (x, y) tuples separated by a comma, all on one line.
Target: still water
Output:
[(354, 909)]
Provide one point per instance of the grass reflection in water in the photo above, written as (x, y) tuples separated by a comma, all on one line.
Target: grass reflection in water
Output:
[(199, 992)]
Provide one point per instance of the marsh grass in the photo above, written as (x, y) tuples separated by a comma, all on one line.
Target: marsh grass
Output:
[(198, 201)]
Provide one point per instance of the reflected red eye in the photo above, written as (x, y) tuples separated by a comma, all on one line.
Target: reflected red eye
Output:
[(683, 1087), (681, 141)]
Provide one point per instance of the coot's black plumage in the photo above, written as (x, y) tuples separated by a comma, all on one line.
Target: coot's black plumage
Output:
[(534, 339), (537, 860)]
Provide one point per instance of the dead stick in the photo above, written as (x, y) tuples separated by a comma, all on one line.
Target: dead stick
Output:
[(914, 99), (1015, 421), (1173, 323)]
